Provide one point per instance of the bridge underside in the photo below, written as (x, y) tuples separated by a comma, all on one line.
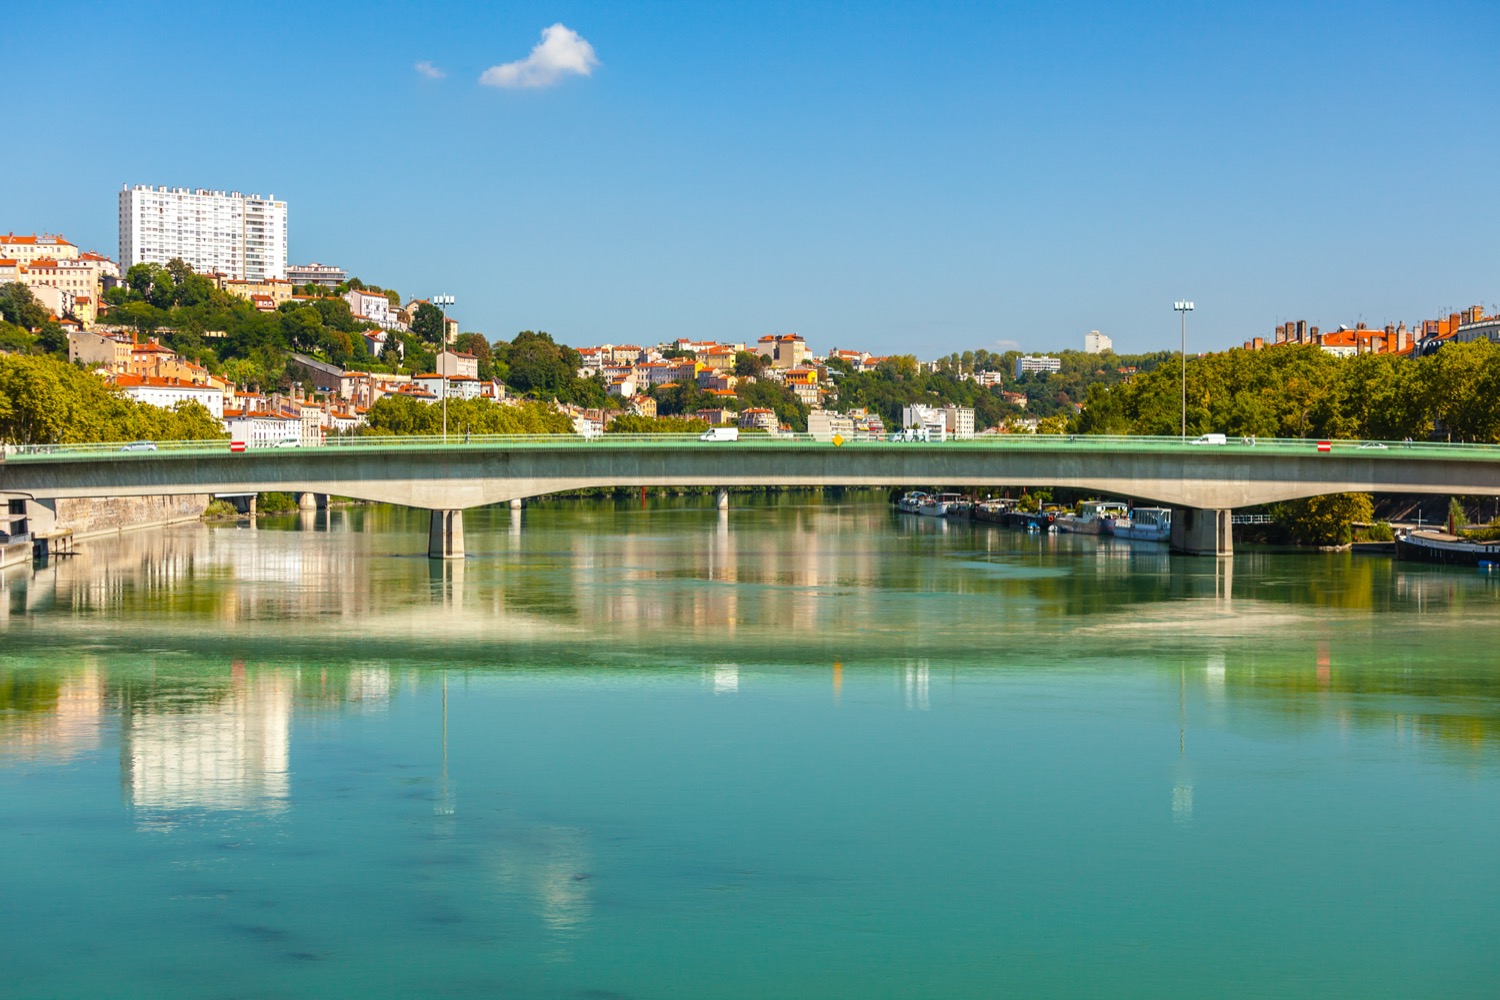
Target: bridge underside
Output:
[(454, 479), (1202, 485)]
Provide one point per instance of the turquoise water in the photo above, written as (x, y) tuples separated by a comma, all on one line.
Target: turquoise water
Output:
[(807, 748)]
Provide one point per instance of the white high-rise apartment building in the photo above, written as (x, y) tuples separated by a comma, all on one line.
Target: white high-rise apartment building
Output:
[(242, 236), (1095, 342)]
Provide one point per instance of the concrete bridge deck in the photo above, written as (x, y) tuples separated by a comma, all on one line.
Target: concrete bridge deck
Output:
[(1210, 480)]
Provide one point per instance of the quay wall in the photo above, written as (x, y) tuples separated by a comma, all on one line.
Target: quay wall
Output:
[(90, 517)]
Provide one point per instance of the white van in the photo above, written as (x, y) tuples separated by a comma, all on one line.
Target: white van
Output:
[(720, 434), (288, 442), (1212, 439)]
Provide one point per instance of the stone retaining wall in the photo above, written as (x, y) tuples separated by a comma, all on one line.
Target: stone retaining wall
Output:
[(114, 514)]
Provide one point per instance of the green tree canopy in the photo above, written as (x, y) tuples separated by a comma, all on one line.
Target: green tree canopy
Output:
[(402, 415), (45, 400)]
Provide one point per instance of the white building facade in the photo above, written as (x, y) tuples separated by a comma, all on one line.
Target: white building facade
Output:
[(168, 392), (1037, 363), (238, 235), (1095, 342)]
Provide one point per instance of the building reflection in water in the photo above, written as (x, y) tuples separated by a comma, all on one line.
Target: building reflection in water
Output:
[(726, 678), (232, 751), (916, 682), (551, 869), (50, 719)]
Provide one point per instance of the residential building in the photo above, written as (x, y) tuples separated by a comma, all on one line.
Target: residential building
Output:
[(58, 302), (375, 341), (761, 418), (643, 406), (1095, 342), (1037, 363), (855, 359), (622, 387), (68, 286), (825, 425), (262, 428), (277, 290), (25, 249), (316, 274), (787, 350), (372, 307), (457, 386), (940, 422), (1482, 328), (168, 392), (99, 350), (242, 236), (717, 415), (718, 357), (457, 363)]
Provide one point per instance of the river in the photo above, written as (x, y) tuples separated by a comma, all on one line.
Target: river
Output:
[(806, 747)]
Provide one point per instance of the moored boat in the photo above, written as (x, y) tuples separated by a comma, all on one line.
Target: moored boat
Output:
[(910, 502), (1441, 547), (1091, 517), (1142, 524)]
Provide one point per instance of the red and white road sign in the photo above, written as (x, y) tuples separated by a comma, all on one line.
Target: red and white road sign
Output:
[(1325, 445), (236, 446)]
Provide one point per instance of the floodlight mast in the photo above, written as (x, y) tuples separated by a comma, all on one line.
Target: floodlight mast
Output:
[(443, 302), (1182, 308)]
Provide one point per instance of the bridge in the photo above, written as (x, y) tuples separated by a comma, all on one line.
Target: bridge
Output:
[(1202, 483)]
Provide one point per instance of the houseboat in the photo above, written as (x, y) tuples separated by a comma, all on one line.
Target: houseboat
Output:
[(1091, 517), (1441, 547), (1142, 524)]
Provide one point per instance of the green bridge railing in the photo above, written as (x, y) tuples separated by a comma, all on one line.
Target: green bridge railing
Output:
[(141, 450)]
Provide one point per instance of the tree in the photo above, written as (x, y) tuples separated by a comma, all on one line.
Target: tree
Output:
[(402, 415), (748, 364), (428, 323), (303, 327), (1324, 520), (19, 306), (51, 339), (631, 423), (179, 270), (45, 400), (538, 365)]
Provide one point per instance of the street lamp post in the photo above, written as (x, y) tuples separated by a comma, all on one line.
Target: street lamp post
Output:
[(1182, 309), (443, 302)]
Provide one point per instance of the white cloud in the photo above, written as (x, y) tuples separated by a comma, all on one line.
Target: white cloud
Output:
[(430, 71), (561, 51)]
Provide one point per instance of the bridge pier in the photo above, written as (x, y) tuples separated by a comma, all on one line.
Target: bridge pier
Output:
[(445, 535), (1198, 532), (515, 503), (721, 498), (308, 501)]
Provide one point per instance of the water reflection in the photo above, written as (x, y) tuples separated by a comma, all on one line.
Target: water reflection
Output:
[(806, 584), (209, 746), (551, 869), (50, 718)]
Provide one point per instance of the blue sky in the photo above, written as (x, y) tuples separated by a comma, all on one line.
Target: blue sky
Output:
[(899, 177)]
